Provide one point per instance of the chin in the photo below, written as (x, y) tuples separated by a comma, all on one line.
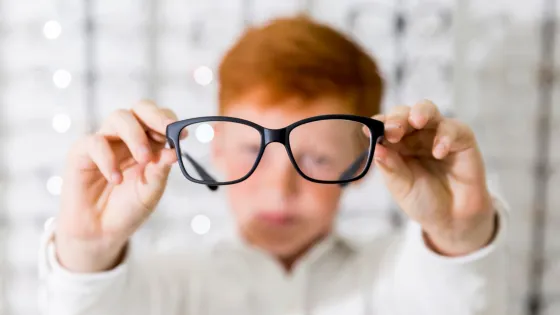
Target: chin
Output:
[(282, 245), (283, 251), (277, 244)]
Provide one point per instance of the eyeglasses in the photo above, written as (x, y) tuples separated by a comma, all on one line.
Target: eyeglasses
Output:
[(326, 149)]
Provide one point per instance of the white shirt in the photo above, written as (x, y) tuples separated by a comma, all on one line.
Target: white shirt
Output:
[(397, 274)]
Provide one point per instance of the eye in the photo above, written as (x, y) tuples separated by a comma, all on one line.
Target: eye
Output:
[(320, 160), (250, 148), (317, 160)]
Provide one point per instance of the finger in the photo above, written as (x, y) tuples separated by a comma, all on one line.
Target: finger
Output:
[(396, 173), (379, 117), (424, 115), (184, 134), (452, 136), (167, 156), (419, 143), (123, 125), (396, 124), (152, 117), (101, 153), (157, 137), (169, 113), (156, 173)]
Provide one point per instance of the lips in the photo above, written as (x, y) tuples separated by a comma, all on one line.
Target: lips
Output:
[(275, 217)]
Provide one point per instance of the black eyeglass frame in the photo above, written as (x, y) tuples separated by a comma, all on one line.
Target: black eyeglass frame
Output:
[(282, 135)]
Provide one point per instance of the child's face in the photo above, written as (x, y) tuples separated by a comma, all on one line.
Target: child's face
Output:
[(275, 208)]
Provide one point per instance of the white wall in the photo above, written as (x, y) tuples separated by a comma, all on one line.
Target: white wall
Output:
[(482, 67)]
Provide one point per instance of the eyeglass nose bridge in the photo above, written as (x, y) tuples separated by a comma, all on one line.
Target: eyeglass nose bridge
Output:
[(275, 135)]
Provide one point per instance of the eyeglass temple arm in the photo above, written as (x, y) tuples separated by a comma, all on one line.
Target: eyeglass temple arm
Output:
[(355, 166), (201, 171)]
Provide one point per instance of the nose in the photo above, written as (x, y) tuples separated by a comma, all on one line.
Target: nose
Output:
[(277, 175)]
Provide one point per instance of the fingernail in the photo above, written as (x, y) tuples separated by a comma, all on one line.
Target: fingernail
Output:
[(380, 160), (392, 126), (440, 149), (365, 130), (116, 177), (170, 157), (157, 137), (418, 119), (386, 164), (393, 132)]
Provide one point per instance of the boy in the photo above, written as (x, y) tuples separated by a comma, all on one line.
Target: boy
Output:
[(286, 259)]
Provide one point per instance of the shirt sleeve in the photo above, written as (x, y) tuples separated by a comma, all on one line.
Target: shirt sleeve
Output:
[(413, 279), (143, 285)]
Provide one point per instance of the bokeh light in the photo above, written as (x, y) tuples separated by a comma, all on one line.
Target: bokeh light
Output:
[(200, 224)]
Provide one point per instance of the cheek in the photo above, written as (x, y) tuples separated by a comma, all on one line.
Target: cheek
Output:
[(321, 201), (239, 169), (240, 196), (232, 165)]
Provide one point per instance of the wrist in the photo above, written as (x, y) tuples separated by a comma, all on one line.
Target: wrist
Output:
[(463, 238), (88, 256)]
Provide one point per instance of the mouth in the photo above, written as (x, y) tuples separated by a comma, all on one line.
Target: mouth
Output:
[(276, 218)]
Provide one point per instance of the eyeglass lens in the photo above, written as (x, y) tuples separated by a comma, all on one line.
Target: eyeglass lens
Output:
[(326, 150)]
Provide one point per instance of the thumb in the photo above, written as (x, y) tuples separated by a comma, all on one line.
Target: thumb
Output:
[(153, 181), (161, 165), (396, 173), (167, 157)]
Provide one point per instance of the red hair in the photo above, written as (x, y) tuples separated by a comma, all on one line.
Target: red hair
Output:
[(297, 57)]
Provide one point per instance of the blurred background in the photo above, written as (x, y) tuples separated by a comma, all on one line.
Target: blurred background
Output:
[(65, 65)]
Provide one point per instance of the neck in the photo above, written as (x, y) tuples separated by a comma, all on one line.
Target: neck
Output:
[(289, 261)]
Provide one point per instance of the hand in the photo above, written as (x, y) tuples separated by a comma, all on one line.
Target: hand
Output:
[(113, 181), (434, 170)]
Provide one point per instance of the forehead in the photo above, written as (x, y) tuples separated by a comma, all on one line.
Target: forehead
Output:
[(284, 113)]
